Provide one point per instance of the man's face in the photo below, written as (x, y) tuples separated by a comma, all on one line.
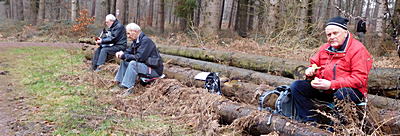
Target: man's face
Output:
[(132, 34), (109, 23), (335, 35)]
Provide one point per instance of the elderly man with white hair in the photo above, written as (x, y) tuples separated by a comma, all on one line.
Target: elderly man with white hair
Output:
[(141, 59), (114, 41), (339, 69)]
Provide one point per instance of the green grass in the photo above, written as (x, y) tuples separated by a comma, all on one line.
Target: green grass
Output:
[(71, 108)]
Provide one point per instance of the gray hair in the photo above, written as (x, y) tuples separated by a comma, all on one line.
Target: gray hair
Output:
[(133, 26), (111, 17)]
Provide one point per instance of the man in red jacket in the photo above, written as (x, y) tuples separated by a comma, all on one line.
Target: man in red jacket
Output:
[(339, 69)]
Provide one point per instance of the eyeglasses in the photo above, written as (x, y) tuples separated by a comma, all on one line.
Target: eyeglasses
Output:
[(130, 33)]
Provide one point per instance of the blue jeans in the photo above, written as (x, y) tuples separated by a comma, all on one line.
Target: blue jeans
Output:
[(128, 73), (100, 55), (304, 95)]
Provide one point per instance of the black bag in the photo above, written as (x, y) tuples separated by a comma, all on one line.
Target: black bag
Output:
[(284, 104), (213, 84)]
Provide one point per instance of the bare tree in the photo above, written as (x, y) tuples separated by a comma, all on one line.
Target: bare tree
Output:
[(226, 14), (380, 22), (41, 12), (74, 9), (120, 11), (132, 11), (100, 11), (213, 15), (161, 16), (273, 13), (303, 17), (241, 18)]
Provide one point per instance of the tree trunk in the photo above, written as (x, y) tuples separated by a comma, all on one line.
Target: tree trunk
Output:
[(41, 12), (161, 17), (100, 12), (93, 9), (120, 11), (303, 18), (378, 50), (74, 9), (212, 17), (149, 17), (226, 14), (30, 11), (7, 9), (113, 6), (19, 10), (241, 18), (396, 21), (273, 15), (233, 18), (367, 12)]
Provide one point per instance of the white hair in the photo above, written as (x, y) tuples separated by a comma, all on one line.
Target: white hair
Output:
[(110, 17), (132, 26)]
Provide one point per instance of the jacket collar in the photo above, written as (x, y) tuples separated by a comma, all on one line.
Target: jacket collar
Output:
[(141, 35), (115, 23)]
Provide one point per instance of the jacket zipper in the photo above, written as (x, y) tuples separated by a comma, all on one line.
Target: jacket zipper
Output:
[(334, 71)]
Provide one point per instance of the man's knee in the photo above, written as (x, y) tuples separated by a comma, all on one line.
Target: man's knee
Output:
[(296, 86), (134, 64), (349, 93)]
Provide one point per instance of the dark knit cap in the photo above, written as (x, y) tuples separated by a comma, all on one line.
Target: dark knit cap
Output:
[(338, 21)]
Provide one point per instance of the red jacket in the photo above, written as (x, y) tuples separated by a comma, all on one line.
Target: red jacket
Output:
[(347, 68)]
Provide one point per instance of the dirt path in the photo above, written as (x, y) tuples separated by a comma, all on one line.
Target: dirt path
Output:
[(8, 109), (6, 115)]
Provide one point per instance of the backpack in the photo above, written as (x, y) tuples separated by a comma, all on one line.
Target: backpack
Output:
[(284, 104), (212, 83)]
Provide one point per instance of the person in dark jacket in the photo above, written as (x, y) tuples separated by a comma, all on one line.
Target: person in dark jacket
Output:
[(141, 59), (361, 29), (339, 69), (114, 41)]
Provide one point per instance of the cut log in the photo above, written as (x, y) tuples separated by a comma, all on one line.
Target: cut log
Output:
[(279, 66), (258, 123), (379, 78), (228, 71)]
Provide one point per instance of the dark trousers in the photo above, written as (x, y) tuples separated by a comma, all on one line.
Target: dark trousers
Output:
[(304, 97), (100, 55)]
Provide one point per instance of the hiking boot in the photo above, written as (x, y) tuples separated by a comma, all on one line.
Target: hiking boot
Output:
[(127, 92)]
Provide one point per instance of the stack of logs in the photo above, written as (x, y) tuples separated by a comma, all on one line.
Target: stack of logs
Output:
[(242, 75)]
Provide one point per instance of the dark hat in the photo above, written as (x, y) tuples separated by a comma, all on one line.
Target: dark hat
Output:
[(338, 21)]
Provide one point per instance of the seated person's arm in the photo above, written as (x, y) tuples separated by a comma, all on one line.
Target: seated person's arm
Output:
[(142, 53), (111, 39)]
